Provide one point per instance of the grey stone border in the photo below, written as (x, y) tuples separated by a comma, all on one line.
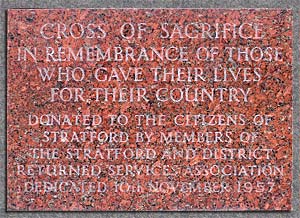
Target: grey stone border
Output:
[(292, 4)]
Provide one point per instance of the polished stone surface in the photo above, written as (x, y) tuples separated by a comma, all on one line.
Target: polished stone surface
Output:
[(270, 93)]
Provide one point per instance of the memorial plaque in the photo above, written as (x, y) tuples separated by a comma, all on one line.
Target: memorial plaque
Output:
[(149, 109)]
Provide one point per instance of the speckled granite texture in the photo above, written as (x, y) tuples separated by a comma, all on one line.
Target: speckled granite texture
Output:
[(154, 4), (221, 171)]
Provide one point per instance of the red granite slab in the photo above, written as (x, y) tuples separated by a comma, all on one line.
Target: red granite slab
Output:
[(210, 88)]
